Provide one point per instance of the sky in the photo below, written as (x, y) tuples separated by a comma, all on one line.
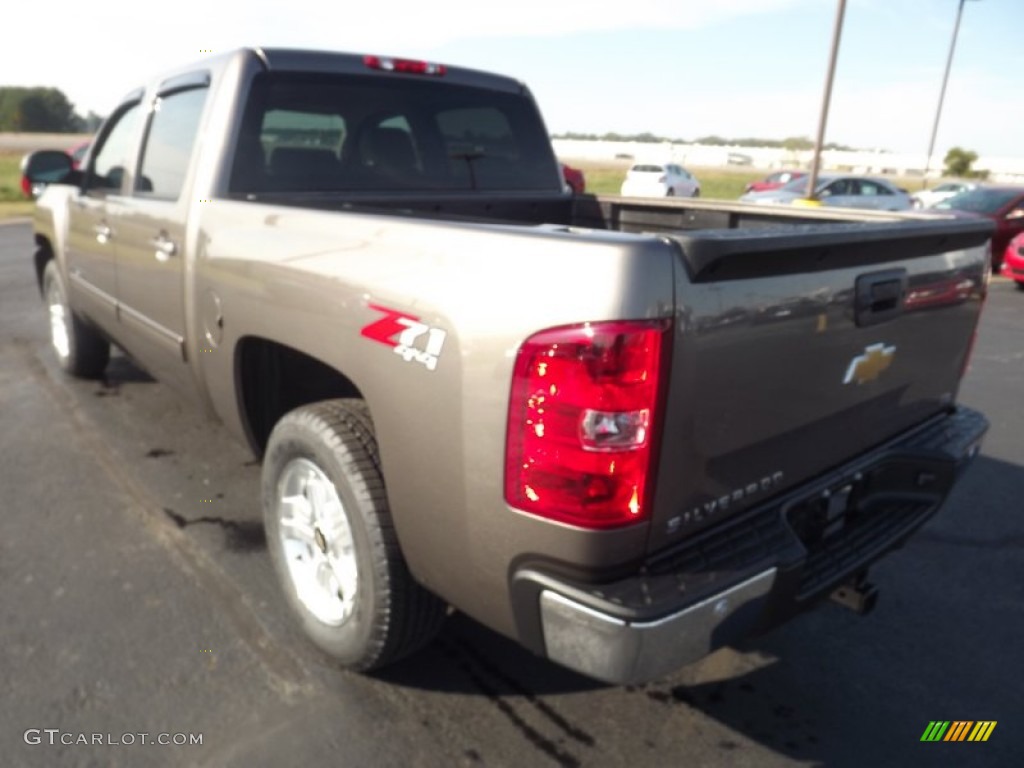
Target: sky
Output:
[(675, 68)]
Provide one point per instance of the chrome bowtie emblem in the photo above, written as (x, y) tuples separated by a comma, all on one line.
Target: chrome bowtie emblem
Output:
[(870, 365)]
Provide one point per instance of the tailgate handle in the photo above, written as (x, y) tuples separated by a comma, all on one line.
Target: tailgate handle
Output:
[(879, 296)]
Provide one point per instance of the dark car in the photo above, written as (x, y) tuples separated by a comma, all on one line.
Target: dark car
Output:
[(1003, 204)]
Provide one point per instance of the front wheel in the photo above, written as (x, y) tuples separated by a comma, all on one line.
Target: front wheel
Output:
[(332, 541), (81, 351)]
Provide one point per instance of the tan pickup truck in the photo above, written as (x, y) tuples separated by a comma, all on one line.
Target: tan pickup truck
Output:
[(623, 432)]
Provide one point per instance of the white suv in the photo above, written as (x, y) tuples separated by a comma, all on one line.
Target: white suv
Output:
[(660, 180)]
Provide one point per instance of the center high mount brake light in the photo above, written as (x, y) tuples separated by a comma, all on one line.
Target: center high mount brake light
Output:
[(404, 66)]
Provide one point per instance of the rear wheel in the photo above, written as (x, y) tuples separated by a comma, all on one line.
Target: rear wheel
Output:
[(80, 349), (1020, 285), (670, 193), (332, 541)]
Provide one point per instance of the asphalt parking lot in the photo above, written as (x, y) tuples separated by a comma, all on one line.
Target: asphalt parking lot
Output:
[(139, 598)]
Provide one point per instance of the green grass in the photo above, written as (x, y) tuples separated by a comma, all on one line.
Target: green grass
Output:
[(22, 209), (12, 202), (605, 178), (10, 178)]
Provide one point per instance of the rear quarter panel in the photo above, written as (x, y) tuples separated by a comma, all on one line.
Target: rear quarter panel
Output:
[(308, 279)]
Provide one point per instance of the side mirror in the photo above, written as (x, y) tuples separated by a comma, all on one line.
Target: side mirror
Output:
[(47, 166)]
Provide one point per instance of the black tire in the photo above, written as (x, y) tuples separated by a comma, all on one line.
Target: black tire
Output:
[(390, 615), (81, 351), (696, 192), (1020, 285), (670, 193)]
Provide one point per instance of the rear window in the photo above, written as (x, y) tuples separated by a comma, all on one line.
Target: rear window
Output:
[(647, 169), (321, 133)]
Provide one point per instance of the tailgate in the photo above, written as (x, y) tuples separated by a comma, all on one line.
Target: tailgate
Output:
[(798, 349)]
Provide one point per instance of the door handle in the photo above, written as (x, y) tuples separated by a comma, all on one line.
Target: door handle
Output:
[(165, 247), (103, 233), (879, 296)]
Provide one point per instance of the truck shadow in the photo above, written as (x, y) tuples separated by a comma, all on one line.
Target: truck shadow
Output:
[(830, 687), (470, 658), (121, 370)]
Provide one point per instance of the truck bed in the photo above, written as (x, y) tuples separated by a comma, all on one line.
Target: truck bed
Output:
[(773, 308)]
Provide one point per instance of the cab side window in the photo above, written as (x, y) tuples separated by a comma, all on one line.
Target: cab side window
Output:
[(169, 142), (839, 187), (867, 188), (115, 155)]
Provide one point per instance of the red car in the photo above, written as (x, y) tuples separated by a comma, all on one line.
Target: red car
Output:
[(1003, 204), (1013, 260), (574, 178), (774, 181), (77, 154)]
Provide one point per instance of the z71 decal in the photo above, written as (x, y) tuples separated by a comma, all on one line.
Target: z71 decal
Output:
[(409, 332)]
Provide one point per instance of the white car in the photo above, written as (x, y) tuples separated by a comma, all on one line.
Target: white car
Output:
[(842, 191), (660, 180), (926, 198)]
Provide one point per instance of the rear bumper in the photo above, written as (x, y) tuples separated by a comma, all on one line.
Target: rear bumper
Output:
[(749, 573), (643, 189)]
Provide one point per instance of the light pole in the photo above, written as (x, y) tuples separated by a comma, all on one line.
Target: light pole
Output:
[(837, 32), (942, 91)]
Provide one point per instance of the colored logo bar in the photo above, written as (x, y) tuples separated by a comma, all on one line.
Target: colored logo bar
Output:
[(959, 730)]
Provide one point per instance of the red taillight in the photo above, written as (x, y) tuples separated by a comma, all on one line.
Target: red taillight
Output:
[(584, 405), (26, 186), (405, 66)]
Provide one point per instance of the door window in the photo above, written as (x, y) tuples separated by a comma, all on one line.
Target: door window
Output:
[(838, 187), (115, 155), (872, 189), (169, 142)]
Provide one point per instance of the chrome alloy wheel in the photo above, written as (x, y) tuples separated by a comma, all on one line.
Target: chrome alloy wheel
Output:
[(60, 336), (317, 543)]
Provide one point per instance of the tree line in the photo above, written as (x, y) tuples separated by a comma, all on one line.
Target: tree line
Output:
[(42, 110)]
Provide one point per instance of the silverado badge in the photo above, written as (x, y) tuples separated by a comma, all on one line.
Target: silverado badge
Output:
[(870, 365)]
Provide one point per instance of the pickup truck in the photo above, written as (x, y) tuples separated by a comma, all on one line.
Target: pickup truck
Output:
[(623, 432)]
